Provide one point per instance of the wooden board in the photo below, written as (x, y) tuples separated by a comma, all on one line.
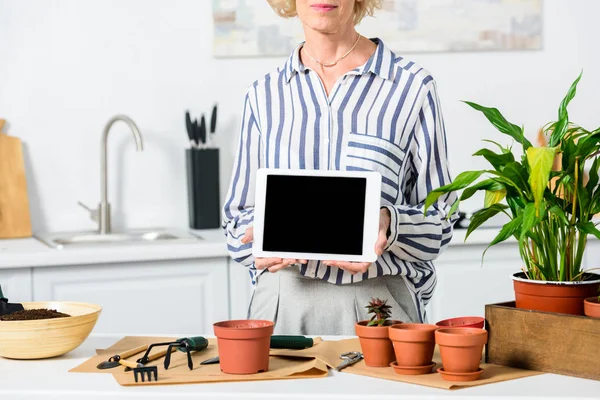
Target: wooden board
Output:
[(542, 341), (15, 221)]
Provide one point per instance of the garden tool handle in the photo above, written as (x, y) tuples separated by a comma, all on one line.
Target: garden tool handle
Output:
[(158, 354), (131, 352), (130, 364), (195, 342), (291, 342)]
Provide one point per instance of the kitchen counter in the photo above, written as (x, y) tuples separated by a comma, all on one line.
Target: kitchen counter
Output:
[(30, 252), (50, 379)]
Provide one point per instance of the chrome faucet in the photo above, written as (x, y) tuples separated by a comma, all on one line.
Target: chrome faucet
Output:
[(101, 215)]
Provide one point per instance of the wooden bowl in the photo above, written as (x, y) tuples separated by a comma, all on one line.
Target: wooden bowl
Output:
[(45, 338)]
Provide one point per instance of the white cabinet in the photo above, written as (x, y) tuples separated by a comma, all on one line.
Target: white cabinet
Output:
[(159, 297), (465, 285), (16, 284), (241, 290)]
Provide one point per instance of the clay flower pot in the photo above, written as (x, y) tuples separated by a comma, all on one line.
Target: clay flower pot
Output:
[(244, 345), (462, 322), (413, 344), (461, 350), (557, 297), (591, 307), (375, 344)]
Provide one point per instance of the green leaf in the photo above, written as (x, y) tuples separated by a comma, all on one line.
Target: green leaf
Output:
[(509, 229), (516, 175), (498, 161), (529, 221), (488, 184), (460, 182), (556, 210), (594, 170), (494, 196), (569, 153), (563, 116), (587, 145), (514, 201), (483, 215), (453, 208), (502, 148), (540, 161), (583, 196), (498, 120), (590, 228)]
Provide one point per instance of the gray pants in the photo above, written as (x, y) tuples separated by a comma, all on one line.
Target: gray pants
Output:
[(305, 306)]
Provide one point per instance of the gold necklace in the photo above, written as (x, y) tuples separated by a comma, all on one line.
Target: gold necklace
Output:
[(336, 61)]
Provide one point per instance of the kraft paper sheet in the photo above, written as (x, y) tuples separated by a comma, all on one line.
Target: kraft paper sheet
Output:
[(179, 373), (283, 364), (329, 352)]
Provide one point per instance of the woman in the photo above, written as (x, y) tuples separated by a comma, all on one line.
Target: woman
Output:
[(344, 102)]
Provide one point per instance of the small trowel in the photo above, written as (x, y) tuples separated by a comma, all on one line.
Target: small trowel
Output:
[(6, 307)]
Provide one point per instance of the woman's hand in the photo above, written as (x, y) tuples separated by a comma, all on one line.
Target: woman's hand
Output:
[(272, 264), (362, 267)]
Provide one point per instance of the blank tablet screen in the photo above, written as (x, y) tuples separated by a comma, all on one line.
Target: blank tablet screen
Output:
[(314, 214)]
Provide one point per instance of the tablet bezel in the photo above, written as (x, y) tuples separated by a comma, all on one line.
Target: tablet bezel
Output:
[(371, 216)]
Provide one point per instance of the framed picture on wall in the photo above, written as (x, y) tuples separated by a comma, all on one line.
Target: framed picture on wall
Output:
[(250, 28)]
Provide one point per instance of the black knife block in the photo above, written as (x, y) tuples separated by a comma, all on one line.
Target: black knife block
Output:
[(203, 188)]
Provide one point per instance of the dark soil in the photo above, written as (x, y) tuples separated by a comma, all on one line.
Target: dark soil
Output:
[(39, 313)]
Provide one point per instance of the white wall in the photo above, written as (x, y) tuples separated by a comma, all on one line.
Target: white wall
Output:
[(67, 66)]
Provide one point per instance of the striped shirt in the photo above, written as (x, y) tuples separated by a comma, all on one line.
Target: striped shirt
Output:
[(383, 116)]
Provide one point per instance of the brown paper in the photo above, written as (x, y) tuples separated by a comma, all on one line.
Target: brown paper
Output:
[(179, 373), (329, 352)]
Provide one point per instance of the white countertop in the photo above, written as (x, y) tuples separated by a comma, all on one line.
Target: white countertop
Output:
[(30, 252), (50, 379)]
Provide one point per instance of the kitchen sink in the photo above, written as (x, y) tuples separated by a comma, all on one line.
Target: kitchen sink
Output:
[(80, 239)]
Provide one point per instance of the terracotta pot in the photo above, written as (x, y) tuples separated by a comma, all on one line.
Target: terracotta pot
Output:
[(591, 307), (461, 348), (413, 344), (557, 297), (375, 344), (244, 345), (462, 322)]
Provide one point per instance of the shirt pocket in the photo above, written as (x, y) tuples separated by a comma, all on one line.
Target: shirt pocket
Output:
[(370, 153)]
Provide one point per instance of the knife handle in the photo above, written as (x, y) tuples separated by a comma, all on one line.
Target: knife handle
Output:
[(290, 342)]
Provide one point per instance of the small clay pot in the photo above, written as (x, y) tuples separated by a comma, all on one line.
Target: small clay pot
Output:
[(461, 348), (375, 343), (413, 344), (244, 345), (591, 307), (462, 322)]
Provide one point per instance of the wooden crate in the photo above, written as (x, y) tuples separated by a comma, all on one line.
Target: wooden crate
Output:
[(542, 341)]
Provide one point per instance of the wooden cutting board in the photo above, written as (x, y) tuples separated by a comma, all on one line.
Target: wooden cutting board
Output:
[(15, 221)]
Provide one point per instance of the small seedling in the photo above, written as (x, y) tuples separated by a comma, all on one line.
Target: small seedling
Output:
[(380, 310)]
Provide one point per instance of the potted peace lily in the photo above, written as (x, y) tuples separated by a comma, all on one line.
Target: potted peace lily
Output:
[(550, 209)]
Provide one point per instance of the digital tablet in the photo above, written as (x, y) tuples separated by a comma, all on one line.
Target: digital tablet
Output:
[(317, 215)]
